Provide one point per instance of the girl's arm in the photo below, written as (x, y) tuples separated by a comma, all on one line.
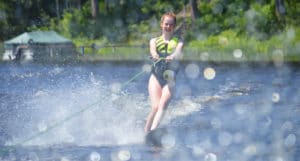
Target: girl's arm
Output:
[(178, 51), (153, 51)]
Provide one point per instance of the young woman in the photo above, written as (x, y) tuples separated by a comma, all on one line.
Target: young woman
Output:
[(164, 50)]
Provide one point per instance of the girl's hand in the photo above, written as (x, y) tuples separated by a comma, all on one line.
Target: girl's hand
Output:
[(155, 57), (170, 58)]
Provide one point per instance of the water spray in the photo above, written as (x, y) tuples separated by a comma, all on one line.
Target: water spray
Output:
[(8, 149)]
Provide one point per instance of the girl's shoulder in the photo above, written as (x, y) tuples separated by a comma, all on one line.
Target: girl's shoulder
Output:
[(154, 39)]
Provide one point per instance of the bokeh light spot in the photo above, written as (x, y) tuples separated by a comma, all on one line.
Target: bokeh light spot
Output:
[(209, 73), (169, 75), (33, 157), (204, 56), (223, 41), (290, 140), (168, 141), (147, 68), (216, 123), (64, 159), (290, 34), (238, 138), (124, 155), (287, 126), (250, 150), (115, 87), (238, 53), (278, 57), (275, 97), (225, 138), (192, 71), (218, 9), (198, 150), (94, 156), (210, 157), (42, 126)]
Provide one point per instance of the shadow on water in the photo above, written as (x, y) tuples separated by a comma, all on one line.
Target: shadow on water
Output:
[(246, 112)]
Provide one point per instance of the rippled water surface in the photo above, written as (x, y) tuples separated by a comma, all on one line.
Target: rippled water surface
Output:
[(93, 111)]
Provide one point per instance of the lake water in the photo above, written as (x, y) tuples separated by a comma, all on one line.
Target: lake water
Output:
[(97, 111)]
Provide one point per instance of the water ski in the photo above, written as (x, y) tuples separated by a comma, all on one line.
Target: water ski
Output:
[(155, 137)]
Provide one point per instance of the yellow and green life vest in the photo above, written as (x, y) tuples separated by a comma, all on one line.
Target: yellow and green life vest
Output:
[(166, 48)]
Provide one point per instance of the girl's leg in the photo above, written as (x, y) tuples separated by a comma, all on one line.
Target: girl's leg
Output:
[(155, 92), (162, 106)]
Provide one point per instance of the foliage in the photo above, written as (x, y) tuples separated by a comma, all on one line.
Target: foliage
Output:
[(255, 26), (252, 48)]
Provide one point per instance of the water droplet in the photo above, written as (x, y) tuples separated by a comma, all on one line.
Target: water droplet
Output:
[(94, 156), (124, 155), (209, 73), (238, 53), (275, 97), (210, 157), (225, 138), (168, 141), (290, 140), (192, 71)]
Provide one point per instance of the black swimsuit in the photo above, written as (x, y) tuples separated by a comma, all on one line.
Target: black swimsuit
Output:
[(165, 72)]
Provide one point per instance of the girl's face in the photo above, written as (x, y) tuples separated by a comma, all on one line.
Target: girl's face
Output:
[(168, 24)]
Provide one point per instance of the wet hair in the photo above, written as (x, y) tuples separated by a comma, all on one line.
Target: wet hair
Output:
[(168, 14)]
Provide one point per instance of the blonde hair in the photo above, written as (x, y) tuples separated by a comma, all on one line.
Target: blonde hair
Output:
[(168, 14)]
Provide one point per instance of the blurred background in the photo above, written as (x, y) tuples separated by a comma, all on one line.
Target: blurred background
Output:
[(257, 27)]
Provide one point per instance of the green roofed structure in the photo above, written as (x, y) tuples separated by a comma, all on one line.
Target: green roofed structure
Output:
[(39, 45)]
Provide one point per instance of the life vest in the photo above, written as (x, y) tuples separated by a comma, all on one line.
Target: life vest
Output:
[(166, 48)]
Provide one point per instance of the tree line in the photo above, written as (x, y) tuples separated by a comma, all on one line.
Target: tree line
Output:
[(129, 21)]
